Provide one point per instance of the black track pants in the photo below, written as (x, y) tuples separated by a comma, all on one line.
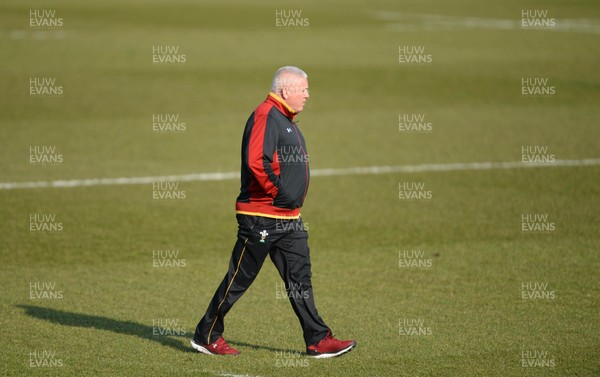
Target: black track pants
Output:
[(286, 242)]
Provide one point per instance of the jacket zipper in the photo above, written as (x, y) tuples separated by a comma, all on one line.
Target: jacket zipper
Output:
[(305, 158)]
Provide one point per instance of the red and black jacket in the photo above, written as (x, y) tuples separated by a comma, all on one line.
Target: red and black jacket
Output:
[(275, 173)]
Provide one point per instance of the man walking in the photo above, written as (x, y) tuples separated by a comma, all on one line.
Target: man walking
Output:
[(274, 183)]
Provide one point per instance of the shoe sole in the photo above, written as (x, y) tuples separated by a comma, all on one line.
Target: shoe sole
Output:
[(206, 351), (201, 349), (330, 355)]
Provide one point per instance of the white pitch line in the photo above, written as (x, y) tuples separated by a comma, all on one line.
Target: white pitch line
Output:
[(223, 176), (38, 34), (398, 21), (222, 374)]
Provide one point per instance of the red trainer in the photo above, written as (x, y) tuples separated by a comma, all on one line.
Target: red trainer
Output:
[(330, 347), (220, 347)]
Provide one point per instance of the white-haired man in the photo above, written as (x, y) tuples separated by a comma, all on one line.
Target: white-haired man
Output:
[(274, 183)]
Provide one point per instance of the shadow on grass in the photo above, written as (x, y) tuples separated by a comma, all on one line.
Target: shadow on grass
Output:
[(256, 347), (102, 323)]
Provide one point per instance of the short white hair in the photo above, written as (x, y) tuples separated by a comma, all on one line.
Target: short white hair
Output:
[(278, 83)]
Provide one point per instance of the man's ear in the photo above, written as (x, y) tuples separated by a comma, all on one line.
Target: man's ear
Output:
[(284, 93)]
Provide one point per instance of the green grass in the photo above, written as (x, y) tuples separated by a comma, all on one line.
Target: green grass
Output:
[(471, 228)]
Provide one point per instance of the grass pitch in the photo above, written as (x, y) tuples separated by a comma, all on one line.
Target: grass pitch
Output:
[(485, 298)]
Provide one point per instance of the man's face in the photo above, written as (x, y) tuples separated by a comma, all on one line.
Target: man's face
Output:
[(295, 92)]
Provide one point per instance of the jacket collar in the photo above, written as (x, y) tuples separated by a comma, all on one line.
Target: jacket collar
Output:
[(280, 104)]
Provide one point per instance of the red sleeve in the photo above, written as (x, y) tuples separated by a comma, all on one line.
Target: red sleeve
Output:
[(262, 156)]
